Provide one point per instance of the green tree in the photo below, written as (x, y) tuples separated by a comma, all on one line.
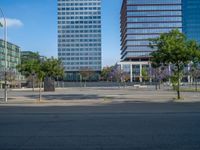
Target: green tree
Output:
[(53, 68), (173, 48), (50, 67), (105, 73), (145, 74), (29, 65), (40, 76)]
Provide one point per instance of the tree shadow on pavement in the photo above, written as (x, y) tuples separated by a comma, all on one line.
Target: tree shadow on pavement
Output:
[(66, 97)]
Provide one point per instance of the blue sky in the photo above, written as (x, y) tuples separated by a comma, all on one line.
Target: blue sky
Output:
[(33, 26)]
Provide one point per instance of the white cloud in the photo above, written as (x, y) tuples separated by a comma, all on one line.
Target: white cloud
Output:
[(12, 22)]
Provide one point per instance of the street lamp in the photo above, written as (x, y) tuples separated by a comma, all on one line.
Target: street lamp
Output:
[(6, 65)]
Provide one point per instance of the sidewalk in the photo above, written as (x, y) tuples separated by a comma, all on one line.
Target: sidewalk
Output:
[(96, 96)]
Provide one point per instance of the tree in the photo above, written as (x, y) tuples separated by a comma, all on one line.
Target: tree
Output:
[(50, 67), (145, 74), (29, 65), (125, 77), (116, 73), (173, 48), (40, 76), (28, 69), (155, 66), (53, 70), (85, 74), (159, 73), (105, 73)]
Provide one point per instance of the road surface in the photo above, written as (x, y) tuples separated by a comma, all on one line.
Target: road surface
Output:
[(123, 126)]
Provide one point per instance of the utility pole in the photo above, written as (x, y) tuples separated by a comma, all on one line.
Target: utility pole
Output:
[(5, 50)]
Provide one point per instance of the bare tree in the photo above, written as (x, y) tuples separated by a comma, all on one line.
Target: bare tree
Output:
[(85, 75)]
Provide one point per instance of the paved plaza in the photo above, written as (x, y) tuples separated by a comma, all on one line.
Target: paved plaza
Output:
[(97, 95), (100, 119)]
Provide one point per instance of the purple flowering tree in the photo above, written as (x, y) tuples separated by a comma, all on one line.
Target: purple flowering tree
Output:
[(159, 73)]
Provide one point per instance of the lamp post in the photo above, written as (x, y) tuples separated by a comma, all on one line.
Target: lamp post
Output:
[(6, 64)]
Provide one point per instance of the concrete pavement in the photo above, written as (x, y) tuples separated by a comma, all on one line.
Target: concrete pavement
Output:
[(93, 96)]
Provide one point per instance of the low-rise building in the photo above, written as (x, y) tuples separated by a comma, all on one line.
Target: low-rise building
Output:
[(13, 59)]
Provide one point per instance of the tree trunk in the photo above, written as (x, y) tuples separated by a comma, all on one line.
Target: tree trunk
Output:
[(178, 87), (156, 81), (196, 85), (33, 84), (40, 95), (159, 84)]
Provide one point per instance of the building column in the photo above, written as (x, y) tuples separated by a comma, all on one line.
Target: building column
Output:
[(140, 72), (131, 73), (122, 71), (121, 67)]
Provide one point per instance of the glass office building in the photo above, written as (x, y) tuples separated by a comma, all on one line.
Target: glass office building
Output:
[(79, 35), (144, 19), (140, 21), (191, 19)]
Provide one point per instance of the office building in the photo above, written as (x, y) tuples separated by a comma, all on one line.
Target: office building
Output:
[(79, 36), (140, 21), (191, 19)]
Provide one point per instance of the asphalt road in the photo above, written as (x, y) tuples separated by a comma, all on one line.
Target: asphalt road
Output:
[(126, 126)]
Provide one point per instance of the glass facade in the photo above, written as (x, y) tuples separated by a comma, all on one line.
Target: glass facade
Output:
[(191, 19), (79, 34), (145, 19)]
